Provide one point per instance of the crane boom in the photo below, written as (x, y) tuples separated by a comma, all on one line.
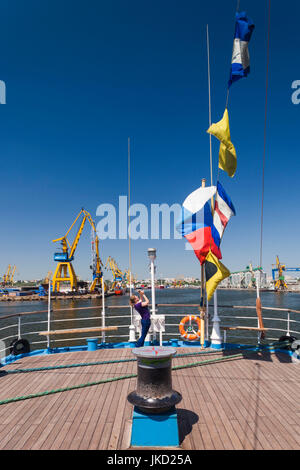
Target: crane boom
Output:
[(6, 275), (11, 279), (77, 238)]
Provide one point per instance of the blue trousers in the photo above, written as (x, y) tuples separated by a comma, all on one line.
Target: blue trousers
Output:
[(145, 328)]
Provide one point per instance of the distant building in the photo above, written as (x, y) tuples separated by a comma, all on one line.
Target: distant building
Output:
[(245, 280)]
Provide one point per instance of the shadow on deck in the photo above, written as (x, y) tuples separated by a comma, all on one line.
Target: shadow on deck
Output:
[(259, 354)]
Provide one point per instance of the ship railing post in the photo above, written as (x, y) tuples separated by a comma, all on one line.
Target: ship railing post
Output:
[(49, 314), (206, 320), (132, 338), (225, 337), (216, 339), (103, 309), (136, 324), (152, 257), (288, 323), (158, 326), (258, 333), (19, 327)]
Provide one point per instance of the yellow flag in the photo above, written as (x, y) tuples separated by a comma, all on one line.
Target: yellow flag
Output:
[(227, 154), (215, 272)]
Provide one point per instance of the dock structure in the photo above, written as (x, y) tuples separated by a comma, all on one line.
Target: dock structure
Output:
[(246, 279), (240, 403)]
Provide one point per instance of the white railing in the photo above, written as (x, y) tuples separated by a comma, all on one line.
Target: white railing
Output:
[(291, 326)]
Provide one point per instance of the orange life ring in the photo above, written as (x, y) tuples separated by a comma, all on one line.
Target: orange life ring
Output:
[(186, 334)]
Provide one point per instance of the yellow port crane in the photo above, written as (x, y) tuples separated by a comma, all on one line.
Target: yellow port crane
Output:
[(11, 279), (64, 271), (118, 276), (280, 282), (8, 277), (96, 263), (47, 279), (127, 276)]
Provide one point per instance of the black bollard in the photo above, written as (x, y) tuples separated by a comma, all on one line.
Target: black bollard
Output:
[(154, 392)]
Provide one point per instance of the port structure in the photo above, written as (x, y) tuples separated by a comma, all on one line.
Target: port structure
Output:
[(119, 278), (248, 278), (252, 280), (280, 282), (177, 283), (8, 276), (129, 276), (64, 271), (97, 264), (48, 277)]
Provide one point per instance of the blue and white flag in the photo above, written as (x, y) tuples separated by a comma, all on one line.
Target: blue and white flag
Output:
[(240, 63)]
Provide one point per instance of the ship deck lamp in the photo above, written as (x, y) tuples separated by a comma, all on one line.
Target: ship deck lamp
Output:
[(152, 253)]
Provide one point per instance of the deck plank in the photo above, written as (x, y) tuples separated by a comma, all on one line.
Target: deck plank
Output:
[(229, 402), (102, 415), (271, 399), (119, 415), (206, 412), (214, 392), (98, 399), (247, 403)]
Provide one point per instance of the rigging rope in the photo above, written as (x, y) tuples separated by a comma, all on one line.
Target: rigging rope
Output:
[(265, 132), (227, 94)]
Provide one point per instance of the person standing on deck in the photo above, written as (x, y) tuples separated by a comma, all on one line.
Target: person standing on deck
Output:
[(141, 306)]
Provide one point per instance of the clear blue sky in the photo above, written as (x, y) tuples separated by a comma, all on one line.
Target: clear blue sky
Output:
[(83, 76)]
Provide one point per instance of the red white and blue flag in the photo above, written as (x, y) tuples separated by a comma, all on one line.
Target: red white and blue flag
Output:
[(203, 230), (197, 222), (224, 209)]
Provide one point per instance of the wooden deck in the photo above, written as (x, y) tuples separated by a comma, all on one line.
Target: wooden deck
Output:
[(247, 403)]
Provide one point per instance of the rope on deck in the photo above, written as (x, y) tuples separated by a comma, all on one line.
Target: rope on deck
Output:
[(97, 363), (117, 361), (128, 376)]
